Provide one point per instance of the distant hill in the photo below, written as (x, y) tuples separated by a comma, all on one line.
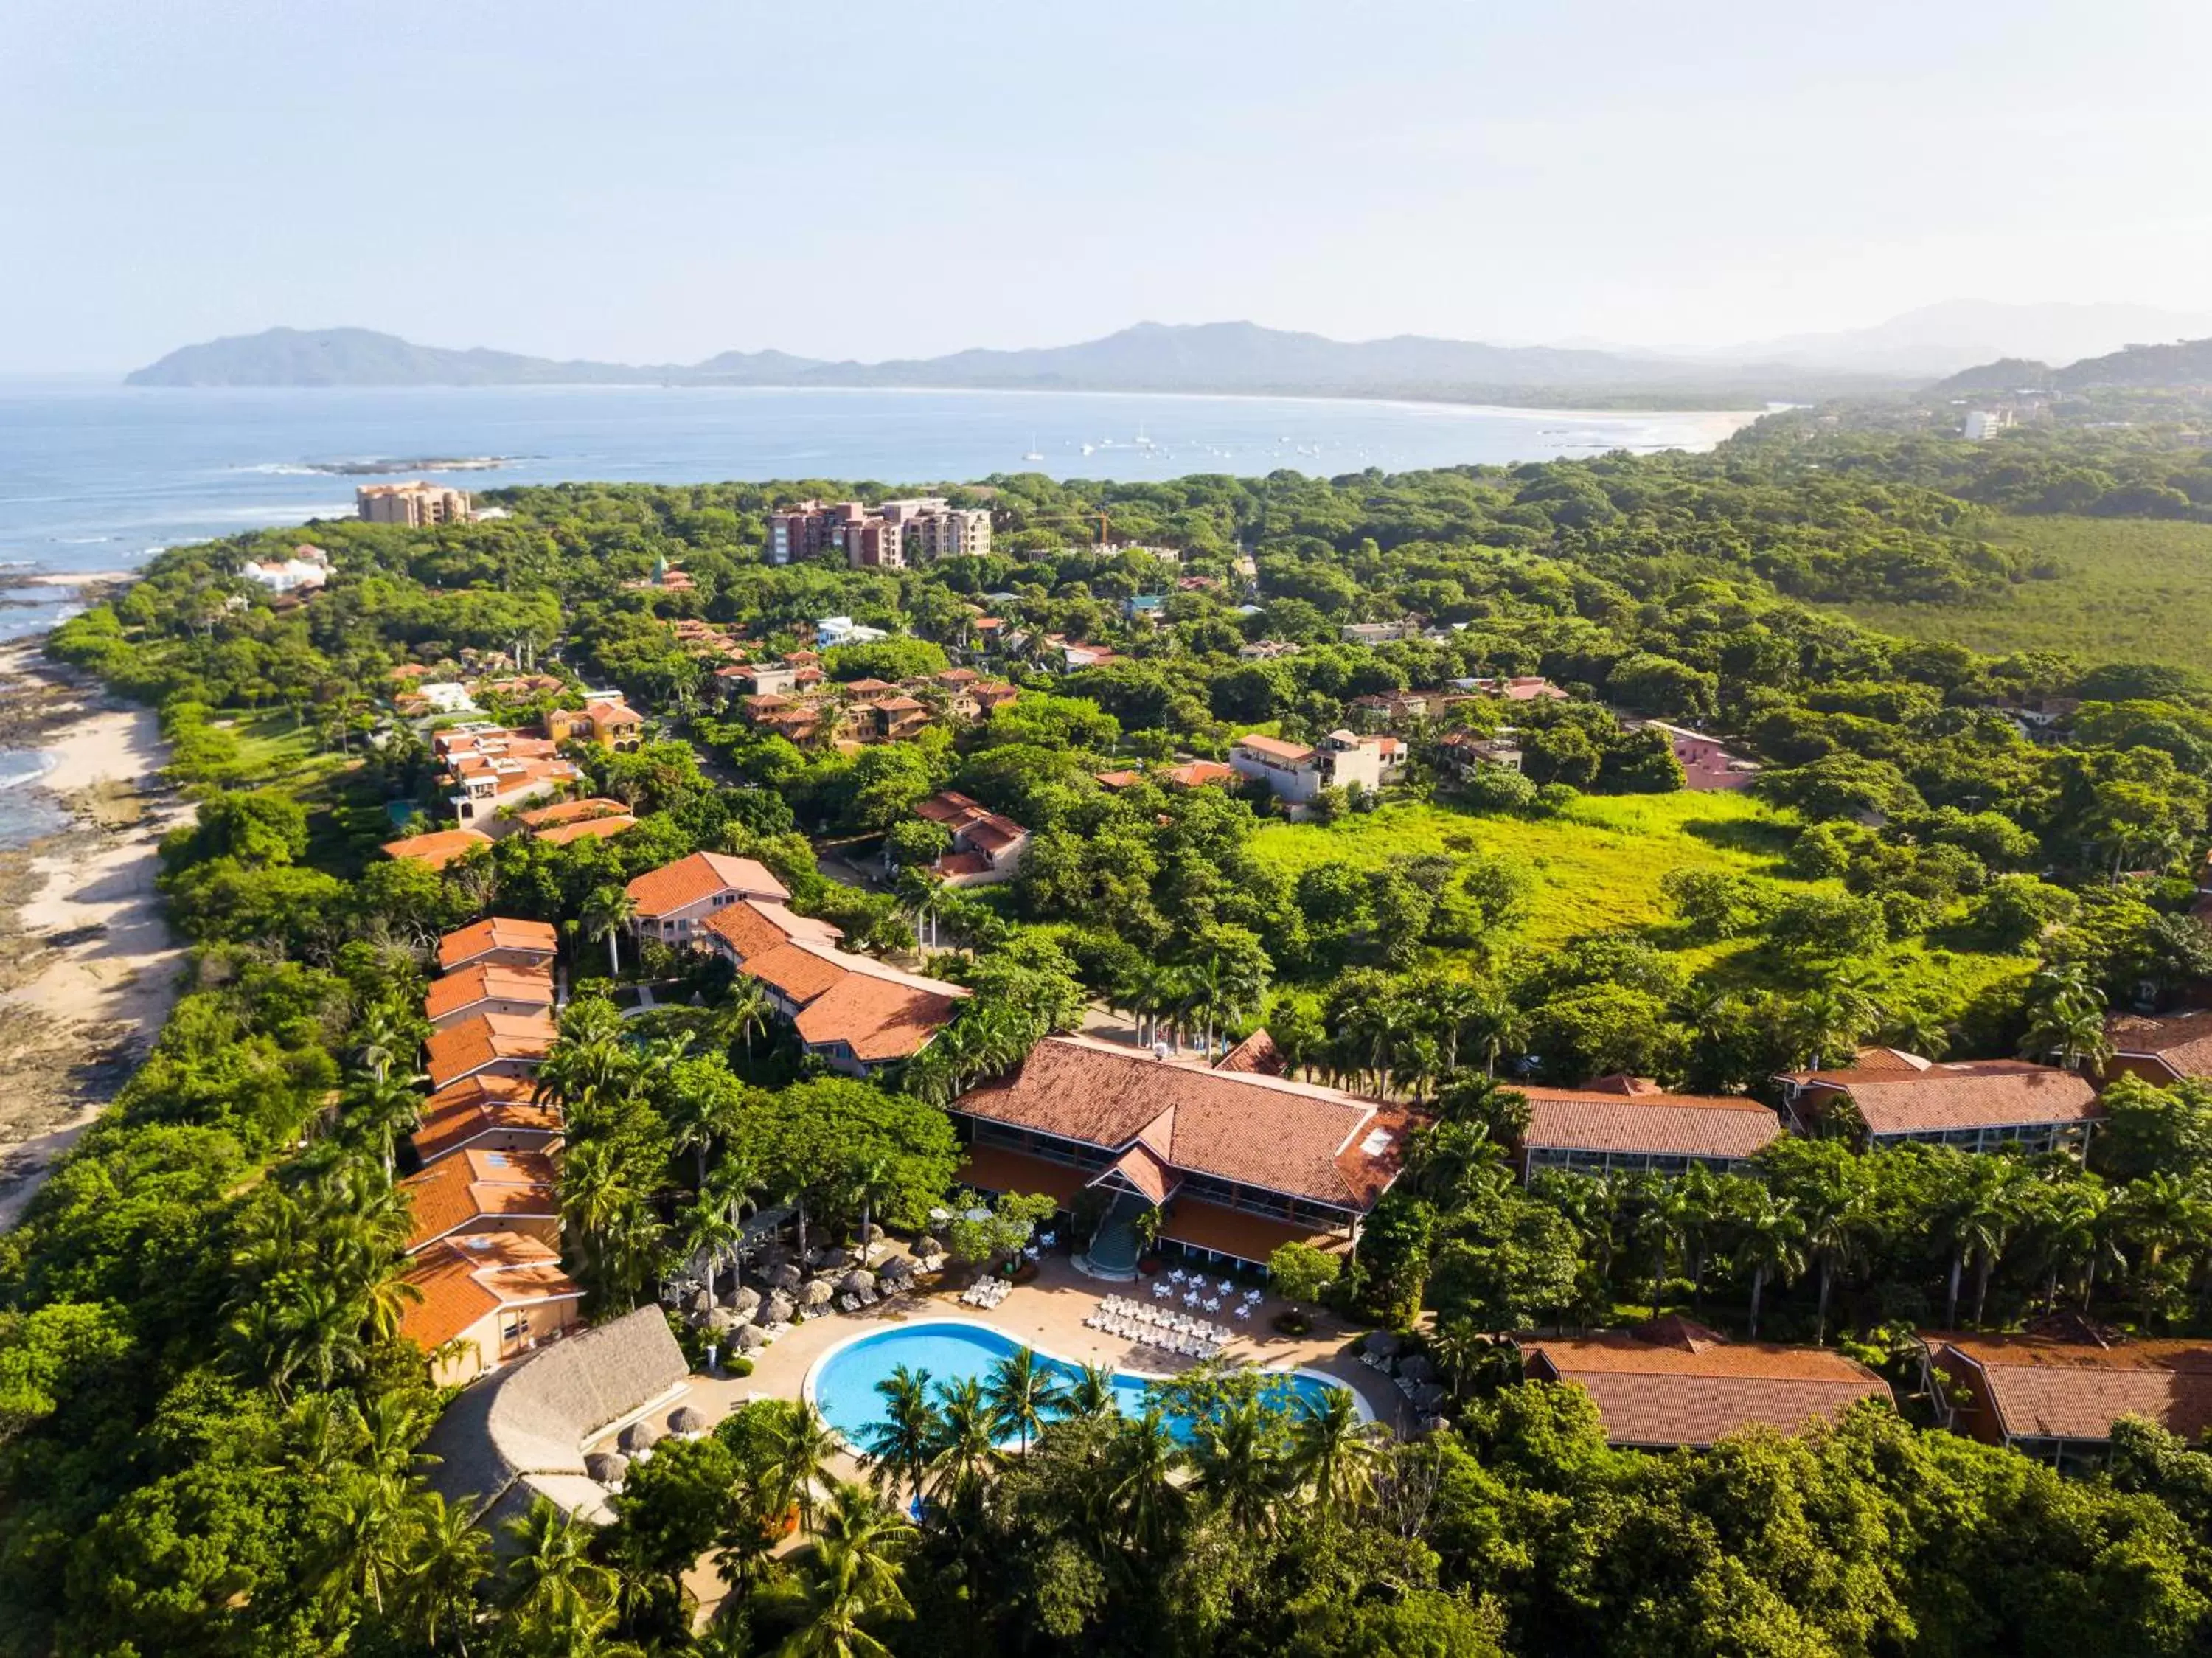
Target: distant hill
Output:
[(2010, 373), (2186, 364), (1956, 334), (1220, 356)]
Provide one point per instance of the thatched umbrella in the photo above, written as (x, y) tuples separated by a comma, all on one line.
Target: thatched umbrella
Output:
[(700, 1303), (787, 1276), (857, 1280), (1382, 1344), (776, 1309), (750, 1337), (1417, 1369), (608, 1467), (639, 1439), (722, 1321), (742, 1300), (817, 1291), (927, 1247), (831, 1258), (897, 1267), (687, 1422)]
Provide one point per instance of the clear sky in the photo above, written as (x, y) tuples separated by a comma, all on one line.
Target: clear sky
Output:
[(661, 180)]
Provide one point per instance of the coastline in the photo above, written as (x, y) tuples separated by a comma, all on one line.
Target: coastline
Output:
[(90, 965)]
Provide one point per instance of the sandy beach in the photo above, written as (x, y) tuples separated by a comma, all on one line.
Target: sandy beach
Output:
[(88, 966)]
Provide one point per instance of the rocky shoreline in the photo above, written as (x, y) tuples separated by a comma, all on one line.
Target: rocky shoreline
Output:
[(87, 965)]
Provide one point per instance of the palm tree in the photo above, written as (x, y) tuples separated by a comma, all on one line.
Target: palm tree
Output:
[(1832, 1207), (380, 1042), (2066, 1018), (803, 1449), (1496, 1023), (709, 1229), (554, 1586), (902, 1443), (1091, 1393), (606, 913), (364, 1522), (1146, 1499), (1024, 1393), (1769, 1241), (1449, 1006), (446, 1559), (857, 1548), (747, 1012), (383, 1110), (1240, 1462), (967, 1449), (2159, 1212), (1975, 1221), (1334, 1452), (1668, 1214)]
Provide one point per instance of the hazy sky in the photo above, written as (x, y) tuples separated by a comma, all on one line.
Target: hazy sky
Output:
[(658, 180)]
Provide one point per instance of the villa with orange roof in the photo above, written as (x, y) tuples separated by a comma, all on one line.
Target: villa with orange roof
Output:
[(476, 1191), (484, 1299), (487, 1112), (858, 1014), (490, 769), (437, 849), (499, 941), (2053, 1391), (1889, 1097), (1238, 1161), (485, 988), (1298, 772), (506, 1044), (673, 902), (608, 724), (1629, 1124), (987, 847)]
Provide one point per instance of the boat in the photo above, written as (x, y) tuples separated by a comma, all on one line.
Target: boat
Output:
[(1143, 443), (1035, 454), (1088, 448)]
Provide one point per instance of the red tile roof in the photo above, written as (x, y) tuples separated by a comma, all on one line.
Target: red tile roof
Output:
[(1146, 1170), (751, 928), (1971, 1093), (699, 877), (2183, 1041), (461, 1281), (1256, 1052), (2045, 1387), (488, 1038), (1601, 1119), (469, 1112), (437, 849), (498, 933), (588, 829), (1676, 1383), (1196, 773), (570, 811), (487, 982), (1290, 1138), (1296, 753), (473, 1185), (878, 1020)]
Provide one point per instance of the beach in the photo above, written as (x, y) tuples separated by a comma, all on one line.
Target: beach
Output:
[(87, 965)]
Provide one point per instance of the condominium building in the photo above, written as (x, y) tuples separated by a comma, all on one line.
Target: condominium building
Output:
[(889, 536), (413, 504)]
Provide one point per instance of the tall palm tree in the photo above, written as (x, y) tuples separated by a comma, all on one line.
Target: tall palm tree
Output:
[(2066, 1018), (553, 1584), (361, 1554), (606, 913), (380, 1042), (1769, 1241), (857, 1548), (1091, 1393), (1334, 1453), (447, 1558), (967, 1449), (383, 1110), (1975, 1222), (1024, 1394), (709, 1229), (1832, 1208), (1146, 1501), (746, 1012), (2159, 1213), (804, 1447), (902, 1442), (1240, 1462)]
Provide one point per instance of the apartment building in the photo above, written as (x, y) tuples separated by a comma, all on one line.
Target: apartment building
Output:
[(414, 504), (888, 536)]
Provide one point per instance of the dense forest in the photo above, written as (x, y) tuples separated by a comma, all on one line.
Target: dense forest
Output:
[(207, 1422)]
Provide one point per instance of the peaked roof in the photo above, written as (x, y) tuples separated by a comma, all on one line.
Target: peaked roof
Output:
[(497, 933), (1674, 1382), (487, 981), (437, 849), (1290, 1137), (2046, 1386), (1966, 1094), (751, 927), (879, 1020), (1295, 752), (456, 1117), (1631, 1121), (692, 880), (460, 1280), (474, 1186), (2182, 1040), (571, 811), (1256, 1052), (454, 1052)]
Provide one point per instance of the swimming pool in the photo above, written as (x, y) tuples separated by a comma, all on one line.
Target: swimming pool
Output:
[(842, 1383)]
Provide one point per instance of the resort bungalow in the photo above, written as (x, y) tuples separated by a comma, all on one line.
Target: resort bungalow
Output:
[(478, 1191), (1673, 1383), (593, 819), (437, 849), (485, 1112), (487, 988), (856, 1013), (1197, 774), (1888, 1097), (2055, 1395), (987, 847), (486, 1299), (1238, 1162), (499, 941), (673, 902), (1627, 1124), (2161, 1048), (497, 1044)]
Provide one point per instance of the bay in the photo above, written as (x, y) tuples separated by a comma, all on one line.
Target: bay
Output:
[(96, 477)]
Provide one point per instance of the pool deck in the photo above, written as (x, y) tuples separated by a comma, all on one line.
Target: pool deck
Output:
[(1047, 1312)]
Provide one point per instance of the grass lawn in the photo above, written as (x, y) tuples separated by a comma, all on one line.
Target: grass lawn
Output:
[(2128, 589), (1598, 866), (269, 743)]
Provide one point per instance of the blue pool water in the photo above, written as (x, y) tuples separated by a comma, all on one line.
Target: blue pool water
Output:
[(845, 1383)]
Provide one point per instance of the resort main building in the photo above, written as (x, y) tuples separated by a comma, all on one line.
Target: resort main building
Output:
[(1237, 1161)]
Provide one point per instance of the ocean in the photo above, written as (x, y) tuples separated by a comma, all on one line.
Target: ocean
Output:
[(96, 477)]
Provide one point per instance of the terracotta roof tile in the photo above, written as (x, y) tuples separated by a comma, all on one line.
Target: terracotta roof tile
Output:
[(2182, 1040), (1275, 748), (588, 829), (797, 975), (1971, 1093), (464, 1117), (751, 927), (570, 811), (474, 1186), (878, 1020), (1676, 1383), (437, 849), (2043, 1387), (498, 933), (1290, 1137), (488, 1038), (488, 982), (1196, 773), (461, 1282), (694, 879), (1659, 1124), (1256, 1052)]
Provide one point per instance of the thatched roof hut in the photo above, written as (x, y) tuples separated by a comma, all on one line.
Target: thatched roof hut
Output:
[(687, 1420)]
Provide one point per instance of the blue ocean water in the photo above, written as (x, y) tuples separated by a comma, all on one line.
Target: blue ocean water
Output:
[(845, 1385), (95, 476)]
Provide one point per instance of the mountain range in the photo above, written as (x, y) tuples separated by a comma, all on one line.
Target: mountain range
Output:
[(1245, 357)]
